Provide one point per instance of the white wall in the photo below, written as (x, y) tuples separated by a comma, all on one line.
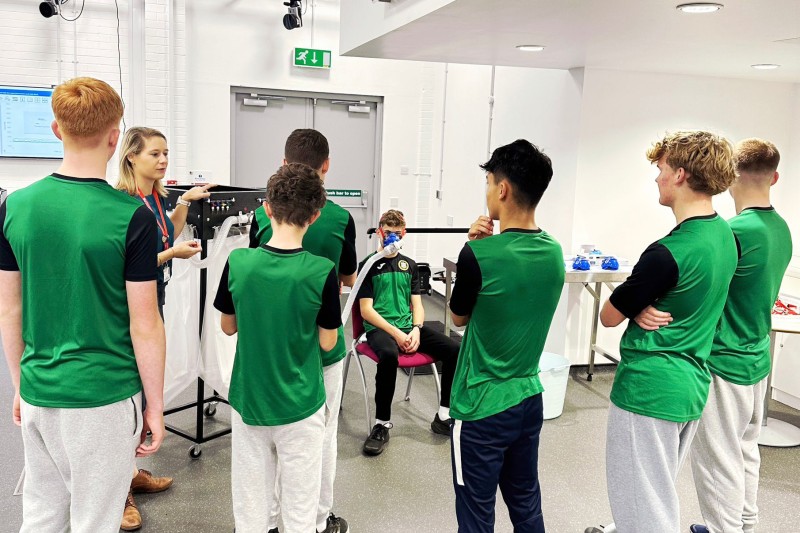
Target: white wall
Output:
[(245, 44), (44, 52)]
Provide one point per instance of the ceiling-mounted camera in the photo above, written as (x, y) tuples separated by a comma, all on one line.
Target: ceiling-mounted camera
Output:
[(49, 8), (294, 18)]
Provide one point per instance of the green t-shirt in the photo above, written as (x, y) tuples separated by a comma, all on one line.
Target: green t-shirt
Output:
[(279, 297), (333, 236), (76, 242), (390, 283), (663, 373), (740, 353), (510, 285)]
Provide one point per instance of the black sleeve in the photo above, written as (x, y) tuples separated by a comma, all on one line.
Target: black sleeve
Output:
[(415, 283), (223, 301), (735, 238), (8, 261), (330, 313), (348, 263), (652, 277), (365, 291), (254, 232), (141, 247), (468, 283)]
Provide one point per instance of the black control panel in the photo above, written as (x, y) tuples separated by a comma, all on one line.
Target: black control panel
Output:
[(211, 212)]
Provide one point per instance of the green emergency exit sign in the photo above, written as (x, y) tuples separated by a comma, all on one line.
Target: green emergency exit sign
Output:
[(312, 58), (346, 193)]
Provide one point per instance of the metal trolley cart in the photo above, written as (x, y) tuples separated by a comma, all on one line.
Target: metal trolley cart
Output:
[(207, 216)]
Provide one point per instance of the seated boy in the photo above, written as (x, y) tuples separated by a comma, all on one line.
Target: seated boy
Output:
[(391, 306), (284, 303)]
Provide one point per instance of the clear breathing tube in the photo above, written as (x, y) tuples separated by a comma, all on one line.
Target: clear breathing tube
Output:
[(387, 250)]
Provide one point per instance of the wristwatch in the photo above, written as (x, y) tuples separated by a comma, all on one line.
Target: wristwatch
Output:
[(181, 201), (419, 326)]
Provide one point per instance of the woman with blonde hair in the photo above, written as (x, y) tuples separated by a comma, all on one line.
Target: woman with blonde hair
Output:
[(143, 161)]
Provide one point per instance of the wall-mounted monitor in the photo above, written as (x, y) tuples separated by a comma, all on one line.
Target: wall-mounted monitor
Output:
[(25, 118)]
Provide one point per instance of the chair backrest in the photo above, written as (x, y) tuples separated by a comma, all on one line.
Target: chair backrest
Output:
[(358, 320)]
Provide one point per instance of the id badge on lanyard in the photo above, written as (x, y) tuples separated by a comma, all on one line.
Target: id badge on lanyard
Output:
[(162, 225)]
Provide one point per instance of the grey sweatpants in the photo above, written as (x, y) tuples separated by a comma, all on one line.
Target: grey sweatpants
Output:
[(332, 377), (78, 465), (643, 458), (725, 457), (256, 454)]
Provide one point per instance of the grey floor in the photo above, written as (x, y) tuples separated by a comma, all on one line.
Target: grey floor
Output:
[(409, 487)]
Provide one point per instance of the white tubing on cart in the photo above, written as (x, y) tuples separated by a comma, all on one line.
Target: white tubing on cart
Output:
[(218, 243), (388, 250)]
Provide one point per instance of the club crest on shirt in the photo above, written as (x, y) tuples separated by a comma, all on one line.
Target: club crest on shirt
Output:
[(402, 264)]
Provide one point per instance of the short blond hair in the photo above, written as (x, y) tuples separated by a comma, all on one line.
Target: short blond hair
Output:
[(393, 218), (706, 157), (133, 144), (86, 107), (757, 156)]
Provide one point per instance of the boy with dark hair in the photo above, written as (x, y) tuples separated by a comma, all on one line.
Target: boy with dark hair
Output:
[(725, 457), (333, 235), (80, 324), (662, 380), (506, 293), (284, 303), (391, 305)]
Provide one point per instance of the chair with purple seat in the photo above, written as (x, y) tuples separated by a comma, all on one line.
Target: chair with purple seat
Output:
[(360, 347)]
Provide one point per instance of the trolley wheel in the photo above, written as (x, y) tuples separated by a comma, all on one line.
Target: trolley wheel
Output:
[(589, 377), (210, 410), (195, 451)]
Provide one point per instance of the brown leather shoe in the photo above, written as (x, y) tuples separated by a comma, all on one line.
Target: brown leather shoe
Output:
[(144, 482), (131, 519)]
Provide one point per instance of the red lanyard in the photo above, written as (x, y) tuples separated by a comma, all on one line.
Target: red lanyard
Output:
[(162, 225)]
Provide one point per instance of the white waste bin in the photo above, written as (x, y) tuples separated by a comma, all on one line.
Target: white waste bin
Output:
[(553, 373)]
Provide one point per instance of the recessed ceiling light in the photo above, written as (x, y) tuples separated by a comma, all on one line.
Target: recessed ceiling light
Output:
[(765, 66), (699, 7), (530, 47)]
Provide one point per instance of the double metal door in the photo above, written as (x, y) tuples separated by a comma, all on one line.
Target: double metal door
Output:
[(262, 120)]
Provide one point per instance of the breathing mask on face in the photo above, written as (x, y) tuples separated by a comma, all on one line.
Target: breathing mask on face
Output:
[(390, 237)]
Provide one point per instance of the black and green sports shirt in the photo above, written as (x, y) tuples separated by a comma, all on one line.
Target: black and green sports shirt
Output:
[(279, 298), (740, 353), (76, 242), (509, 285), (663, 373), (390, 283), (332, 235)]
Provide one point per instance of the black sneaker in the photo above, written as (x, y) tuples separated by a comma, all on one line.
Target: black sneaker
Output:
[(336, 524), (441, 427), (377, 440), (698, 528), (273, 530)]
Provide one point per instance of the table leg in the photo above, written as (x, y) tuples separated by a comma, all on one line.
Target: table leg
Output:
[(595, 318), (776, 432), (448, 289)]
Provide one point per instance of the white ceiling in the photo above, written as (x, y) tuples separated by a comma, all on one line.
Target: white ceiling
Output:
[(637, 35)]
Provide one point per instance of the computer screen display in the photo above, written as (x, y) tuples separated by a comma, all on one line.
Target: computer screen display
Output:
[(25, 118)]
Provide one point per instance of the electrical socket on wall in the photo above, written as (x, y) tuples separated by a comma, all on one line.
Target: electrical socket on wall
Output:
[(394, 201), (450, 220)]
